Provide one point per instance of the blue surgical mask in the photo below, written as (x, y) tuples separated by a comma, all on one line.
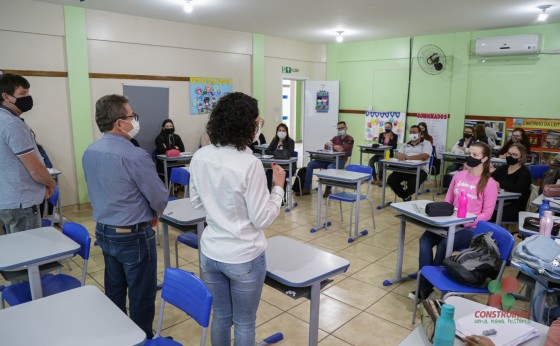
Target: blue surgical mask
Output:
[(341, 132)]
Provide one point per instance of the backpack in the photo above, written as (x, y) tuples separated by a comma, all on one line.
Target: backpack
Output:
[(551, 175), (300, 179), (475, 265)]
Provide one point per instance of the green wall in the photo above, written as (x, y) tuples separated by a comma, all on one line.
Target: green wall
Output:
[(375, 74), (258, 70)]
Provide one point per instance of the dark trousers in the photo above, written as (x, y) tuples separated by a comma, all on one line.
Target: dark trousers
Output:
[(396, 178), (130, 265)]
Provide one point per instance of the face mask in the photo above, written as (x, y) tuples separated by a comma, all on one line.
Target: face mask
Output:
[(472, 162), (257, 134), (413, 136), (467, 135), (516, 139), (281, 134), (511, 161), (170, 131), (387, 130), (422, 131), (24, 103), (341, 132), (135, 128)]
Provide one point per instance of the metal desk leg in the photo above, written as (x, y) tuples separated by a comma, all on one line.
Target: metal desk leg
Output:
[(165, 244), (384, 165), (314, 313), (319, 207), (59, 204), (357, 212), (418, 181), (165, 172), (442, 173), (361, 153), (450, 241), (398, 277), (500, 212), (35, 282), (289, 187)]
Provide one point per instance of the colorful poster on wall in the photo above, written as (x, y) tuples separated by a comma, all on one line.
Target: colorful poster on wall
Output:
[(322, 103), (205, 93), (437, 128), (375, 124)]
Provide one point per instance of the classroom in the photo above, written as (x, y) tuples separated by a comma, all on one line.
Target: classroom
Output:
[(73, 53)]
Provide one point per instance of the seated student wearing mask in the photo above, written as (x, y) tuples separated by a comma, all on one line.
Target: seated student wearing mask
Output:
[(514, 177), (343, 142), (388, 138), (167, 140), (462, 147), (281, 147), (482, 192), (518, 136), (259, 138), (416, 149), (424, 130)]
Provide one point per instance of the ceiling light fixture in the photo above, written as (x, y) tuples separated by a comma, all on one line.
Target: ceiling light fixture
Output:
[(339, 37), (188, 7), (543, 16)]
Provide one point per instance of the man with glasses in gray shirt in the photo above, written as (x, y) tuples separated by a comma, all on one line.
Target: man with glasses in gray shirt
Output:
[(24, 180), (127, 197)]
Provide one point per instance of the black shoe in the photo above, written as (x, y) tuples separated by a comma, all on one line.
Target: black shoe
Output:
[(407, 199)]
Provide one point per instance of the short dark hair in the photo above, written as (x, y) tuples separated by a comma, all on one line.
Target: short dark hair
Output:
[(10, 82), (232, 121), (414, 127), (109, 109), (342, 122)]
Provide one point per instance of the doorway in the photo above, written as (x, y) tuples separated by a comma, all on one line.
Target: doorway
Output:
[(291, 112)]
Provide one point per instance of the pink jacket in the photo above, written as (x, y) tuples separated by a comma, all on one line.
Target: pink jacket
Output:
[(482, 205)]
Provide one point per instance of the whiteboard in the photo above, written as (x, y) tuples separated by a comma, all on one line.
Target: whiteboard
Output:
[(319, 127)]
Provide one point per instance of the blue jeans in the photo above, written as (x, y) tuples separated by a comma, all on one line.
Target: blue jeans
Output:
[(427, 242), (131, 264), (20, 219), (236, 291), (313, 164)]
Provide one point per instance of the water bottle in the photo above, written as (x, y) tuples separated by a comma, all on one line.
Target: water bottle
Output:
[(445, 327), (544, 207), (462, 207), (546, 223), (387, 154), (330, 147)]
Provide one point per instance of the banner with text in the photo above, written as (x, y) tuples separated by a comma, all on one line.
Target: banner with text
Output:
[(375, 124), (437, 128), (552, 124)]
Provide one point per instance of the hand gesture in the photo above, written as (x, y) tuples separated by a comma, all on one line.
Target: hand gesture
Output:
[(278, 175)]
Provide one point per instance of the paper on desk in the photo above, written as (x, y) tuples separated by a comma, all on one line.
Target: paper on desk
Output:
[(511, 330)]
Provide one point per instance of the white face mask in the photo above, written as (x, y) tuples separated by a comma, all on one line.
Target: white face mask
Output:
[(413, 136), (281, 134), (257, 134), (135, 128)]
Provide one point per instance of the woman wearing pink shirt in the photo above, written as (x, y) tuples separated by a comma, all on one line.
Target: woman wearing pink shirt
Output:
[(481, 191)]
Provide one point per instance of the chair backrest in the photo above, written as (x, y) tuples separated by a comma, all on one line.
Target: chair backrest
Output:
[(188, 293), (503, 238), (180, 175), (80, 235), (537, 171), (361, 169), (295, 154)]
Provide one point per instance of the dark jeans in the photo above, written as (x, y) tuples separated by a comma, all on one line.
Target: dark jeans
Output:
[(372, 161), (315, 164), (396, 178), (427, 242), (20, 219), (130, 264)]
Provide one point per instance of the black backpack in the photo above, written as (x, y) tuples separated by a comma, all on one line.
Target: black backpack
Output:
[(551, 175), (300, 179), (473, 266)]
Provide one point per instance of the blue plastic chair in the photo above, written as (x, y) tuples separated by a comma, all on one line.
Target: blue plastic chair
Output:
[(179, 176), (47, 219), (189, 239), (53, 284), (538, 171), (187, 292), (443, 281), (351, 197)]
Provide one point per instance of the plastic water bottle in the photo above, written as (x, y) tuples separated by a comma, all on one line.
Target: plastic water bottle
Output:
[(544, 207), (462, 208), (445, 327), (546, 224), (387, 154), (330, 147)]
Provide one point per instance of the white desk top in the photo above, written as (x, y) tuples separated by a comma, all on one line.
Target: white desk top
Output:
[(464, 307), (296, 264), (495, 160), (554, 203), (278, 161), (409, 209), (405, 163), (82, 316), (34, 246), (380, 147), (326, 152), (181, 212), (184, 155), (526, 214), (505, 195), (342, 175), (54, 171)]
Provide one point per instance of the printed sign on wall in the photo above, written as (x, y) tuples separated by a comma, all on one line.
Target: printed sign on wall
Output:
[(437, 128), (205, 93), (322, 105)]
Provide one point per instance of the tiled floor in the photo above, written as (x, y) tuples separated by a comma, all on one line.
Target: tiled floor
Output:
[(356, 309)]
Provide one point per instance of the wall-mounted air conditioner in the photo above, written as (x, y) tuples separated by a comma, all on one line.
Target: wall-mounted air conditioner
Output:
[(508, 45)]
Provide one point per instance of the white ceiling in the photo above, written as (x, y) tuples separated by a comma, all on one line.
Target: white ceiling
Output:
[(318, 20)]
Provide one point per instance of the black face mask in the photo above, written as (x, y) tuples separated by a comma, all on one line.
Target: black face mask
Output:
[(170, 131), (23, 103), (387, 130), (511, 161), (472, 162), (467, 135)]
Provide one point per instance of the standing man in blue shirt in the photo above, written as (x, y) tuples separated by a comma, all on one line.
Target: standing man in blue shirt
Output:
[(126, 196), (24, 179)]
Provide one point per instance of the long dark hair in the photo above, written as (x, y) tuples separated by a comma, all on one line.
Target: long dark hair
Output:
[(162, 132), (485, 176), (423, 124), (285, 127)]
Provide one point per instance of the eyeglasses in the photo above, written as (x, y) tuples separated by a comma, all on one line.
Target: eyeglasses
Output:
[(514, 155), (134, 116)]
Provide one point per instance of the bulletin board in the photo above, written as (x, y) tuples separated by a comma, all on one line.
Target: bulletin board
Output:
[(375, 124)]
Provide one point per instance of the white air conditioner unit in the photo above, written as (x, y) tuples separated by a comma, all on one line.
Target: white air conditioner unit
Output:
[(508, 45)]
